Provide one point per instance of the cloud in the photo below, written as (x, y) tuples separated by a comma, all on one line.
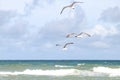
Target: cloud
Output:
[(20, 32), (48, 45), (100, 44), (32, 26), (56, 26), (103, 31), (15, 29), (103, 36), (14, 5), (5, 16), (111, 15), (30, 6), (39, 27)]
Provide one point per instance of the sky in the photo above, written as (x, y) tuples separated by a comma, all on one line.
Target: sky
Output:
[(30, 29)]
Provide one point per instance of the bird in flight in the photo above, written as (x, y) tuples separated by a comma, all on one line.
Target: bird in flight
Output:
[(83, 33), (69, 35), (65, 45), (69, 6)]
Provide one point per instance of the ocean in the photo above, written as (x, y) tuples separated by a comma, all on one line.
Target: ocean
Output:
[(59, 70)]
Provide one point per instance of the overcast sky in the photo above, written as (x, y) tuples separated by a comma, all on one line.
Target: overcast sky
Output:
[(30, 29)]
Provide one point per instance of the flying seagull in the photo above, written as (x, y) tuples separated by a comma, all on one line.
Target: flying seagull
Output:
[(67, 44), (69, 35), (83, 33), (69, 6)]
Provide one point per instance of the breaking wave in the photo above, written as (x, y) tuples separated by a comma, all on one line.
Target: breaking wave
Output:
[(80, 64), (59, 72), (96, 71), (62, 66), (112, 72)]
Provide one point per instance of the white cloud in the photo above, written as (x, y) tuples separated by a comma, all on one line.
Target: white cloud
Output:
[(33, 26), (100, 44), (14, 5), (111, 15), (5, 16), (47, 13), (103, 31), (48, 45)]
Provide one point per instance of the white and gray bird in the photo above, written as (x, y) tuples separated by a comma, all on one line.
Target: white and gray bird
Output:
[(65, 45), (69, 6), (83, 33)]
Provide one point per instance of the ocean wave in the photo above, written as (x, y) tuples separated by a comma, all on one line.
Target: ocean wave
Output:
[(112, 72), (58, 72), (62, 66), (97, 71), (81, 64)]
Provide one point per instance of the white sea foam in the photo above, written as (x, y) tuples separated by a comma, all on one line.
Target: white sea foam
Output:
[(62, 66), (112, 72), (80, 64), (97, 71), (59, 72)]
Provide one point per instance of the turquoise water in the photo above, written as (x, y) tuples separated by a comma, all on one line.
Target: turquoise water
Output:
[(59, 70)]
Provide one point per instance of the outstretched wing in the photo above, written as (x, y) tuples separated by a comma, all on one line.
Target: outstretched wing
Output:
[(87, 34), (69, 6), (75, 3), (63, 9), (83, 33), (80, 34), (69, 35), (67, 44)]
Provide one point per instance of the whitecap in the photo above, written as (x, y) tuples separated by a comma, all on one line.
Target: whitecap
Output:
[(59, 72), (56, 72), (62, 66), (81, 64), (112, 72)]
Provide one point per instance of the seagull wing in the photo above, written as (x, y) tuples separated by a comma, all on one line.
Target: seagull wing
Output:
[(75, 3), (70, 35), (67, 44), (87, 34), (80, 34), (83, 33), (63, 9)]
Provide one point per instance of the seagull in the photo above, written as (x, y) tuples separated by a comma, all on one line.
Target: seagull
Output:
[(69, 6), (64, 47), (69, 35), (83, 33)]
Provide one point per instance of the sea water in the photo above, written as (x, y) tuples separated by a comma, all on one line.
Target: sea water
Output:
[(59, 70)]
